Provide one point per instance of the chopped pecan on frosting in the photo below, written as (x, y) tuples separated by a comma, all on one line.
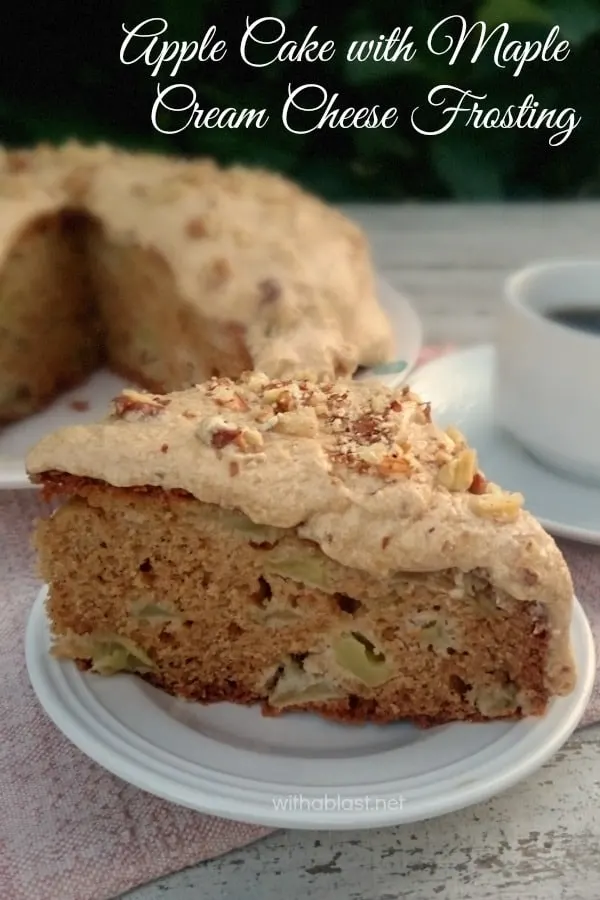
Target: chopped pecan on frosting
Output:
[(361, 431), (479, 485), (229, 399), (458, 473), (250, 440), (302, 423), (387, 434), (217, 432), (131, 403)]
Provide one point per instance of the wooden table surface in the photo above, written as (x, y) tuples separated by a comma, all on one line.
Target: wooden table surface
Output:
[(541, 839)]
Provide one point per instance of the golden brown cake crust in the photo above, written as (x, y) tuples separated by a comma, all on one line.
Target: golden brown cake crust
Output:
[(356, 468)]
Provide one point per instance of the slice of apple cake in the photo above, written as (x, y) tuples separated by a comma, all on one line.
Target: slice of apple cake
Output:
[(322, 547)]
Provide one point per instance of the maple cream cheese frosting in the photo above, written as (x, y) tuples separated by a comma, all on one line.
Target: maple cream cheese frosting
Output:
[(244, 246), (357, 468)]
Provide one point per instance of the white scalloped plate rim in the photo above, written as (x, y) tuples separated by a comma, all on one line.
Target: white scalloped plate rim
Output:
[(247, 768), (102, 386)]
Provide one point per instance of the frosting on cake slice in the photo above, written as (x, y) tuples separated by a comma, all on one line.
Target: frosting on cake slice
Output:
[(320, 546)]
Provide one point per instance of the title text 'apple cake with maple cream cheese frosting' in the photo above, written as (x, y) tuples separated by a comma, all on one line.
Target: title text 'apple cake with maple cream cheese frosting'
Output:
[(302, 546), (170, 270)]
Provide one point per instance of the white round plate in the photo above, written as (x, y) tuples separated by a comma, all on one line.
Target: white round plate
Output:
[(296, 771), (97, 392), (459, 387)]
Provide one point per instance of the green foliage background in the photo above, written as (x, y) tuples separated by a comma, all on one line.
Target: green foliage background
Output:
[(60, 76)]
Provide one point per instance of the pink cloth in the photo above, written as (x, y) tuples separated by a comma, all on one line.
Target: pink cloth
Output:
[(70, 830)]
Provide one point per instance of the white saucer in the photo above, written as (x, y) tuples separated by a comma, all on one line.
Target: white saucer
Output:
[(98, 391), (297, 771), (459, 387)]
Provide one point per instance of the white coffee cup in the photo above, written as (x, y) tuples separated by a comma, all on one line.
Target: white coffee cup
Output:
[(547, 378)]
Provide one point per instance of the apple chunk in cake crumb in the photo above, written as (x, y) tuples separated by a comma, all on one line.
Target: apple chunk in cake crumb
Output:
[(301, 546)]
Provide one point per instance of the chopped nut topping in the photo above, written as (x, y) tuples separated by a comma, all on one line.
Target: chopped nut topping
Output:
[(256, 381), (377, 433), (221, 439), (302, 422), (379, 404), (458, 474), (443, 455), (219, 392), (237, 404), (266, 419), (285, 402), (281, 397), (478, 485), (219, 381), (367, 427), (362, 428), (318, 398), (217, 432), (372, 454), (130, 401), (228, 399), (249, 440), (505, 507)]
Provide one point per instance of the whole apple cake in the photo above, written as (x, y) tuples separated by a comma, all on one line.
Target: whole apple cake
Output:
[(170, 270)]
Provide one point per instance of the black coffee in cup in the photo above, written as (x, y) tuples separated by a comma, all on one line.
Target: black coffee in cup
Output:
[(581, 318)]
